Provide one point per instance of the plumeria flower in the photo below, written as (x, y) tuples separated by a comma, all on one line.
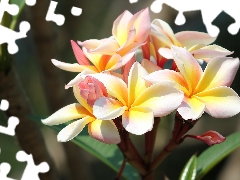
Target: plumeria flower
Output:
[(129, 32), (162, 37), (207, 91), (86, 93), (91, 63), (138, 101)]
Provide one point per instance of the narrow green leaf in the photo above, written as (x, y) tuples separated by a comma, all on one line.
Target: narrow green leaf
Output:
[(214, 154), (108, 154), (190, 169), (21, 4)]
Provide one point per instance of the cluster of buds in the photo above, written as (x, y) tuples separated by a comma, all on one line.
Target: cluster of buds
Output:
[(116, 91)]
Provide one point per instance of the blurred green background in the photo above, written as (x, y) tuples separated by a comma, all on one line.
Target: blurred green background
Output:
[(96, 23)]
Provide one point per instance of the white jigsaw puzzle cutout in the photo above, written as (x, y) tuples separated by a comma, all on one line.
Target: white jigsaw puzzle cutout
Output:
[(133, 1), (210, 9), (59, 19), (8, 35), (31, 171), (4, 105), (12, 121), (4, 170)]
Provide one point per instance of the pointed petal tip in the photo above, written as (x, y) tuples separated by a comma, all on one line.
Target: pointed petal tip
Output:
[(55, 62)]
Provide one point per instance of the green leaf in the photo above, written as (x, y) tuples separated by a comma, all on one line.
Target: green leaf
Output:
[(214, 154), (108, 154), (21, 4), (190, 169)]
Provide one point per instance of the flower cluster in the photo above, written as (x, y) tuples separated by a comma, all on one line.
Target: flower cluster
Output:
[(113, 85)]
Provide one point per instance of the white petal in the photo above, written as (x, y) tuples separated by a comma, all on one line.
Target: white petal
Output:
[(68, 67), (138, 120), (73, 129), (65, 114), (107, 108), (104, 131)]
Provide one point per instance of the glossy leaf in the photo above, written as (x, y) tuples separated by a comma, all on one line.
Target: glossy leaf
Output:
[(108, 154), (190, 169), (214, 154)]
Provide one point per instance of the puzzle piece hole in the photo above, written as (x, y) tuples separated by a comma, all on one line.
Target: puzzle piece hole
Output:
[(4, 105), (76, 11)]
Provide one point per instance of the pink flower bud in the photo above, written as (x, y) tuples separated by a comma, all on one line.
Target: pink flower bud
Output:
[(210, 137), (91, 89)]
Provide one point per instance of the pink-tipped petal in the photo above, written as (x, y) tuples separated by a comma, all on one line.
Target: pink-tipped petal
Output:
[(119, 61), (166, 75), (159, 39), (126, 69), (209, 52), (136, 82), (80, 99), (104, 131), (65, 114), (73, 129), (188, 66), (164, 28), (67, 66), (130, 39), (90, 44), (221, 102), (116, 87), (191, 38), (108, 47), (120, 29), (142, 24), (166, 52), (191, 108), (107, 108), (138, 120), (150, 66), (74, 81), (220, 71), (81, 58), (162, 99)]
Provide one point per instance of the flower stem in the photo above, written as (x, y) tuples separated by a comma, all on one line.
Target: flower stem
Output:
[(121, 169), (128, 149), (150, 138), (181, 127)]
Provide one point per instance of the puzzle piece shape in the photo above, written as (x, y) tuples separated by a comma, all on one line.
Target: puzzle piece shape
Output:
[(31, 171), (210, 9), (4, 170), (51, 16), (133, 1), (12, 9), (9, 36), (4, 105), (30, 2), (12, 121), (10, 130), (76, 11)]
